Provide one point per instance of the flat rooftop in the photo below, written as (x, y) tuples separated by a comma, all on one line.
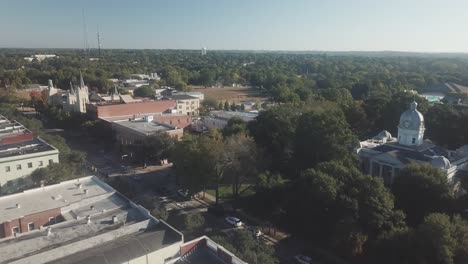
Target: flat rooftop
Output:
[(73, 239), (144, 127), (51, 197), (120, 250), (26, 147), (246, 116)]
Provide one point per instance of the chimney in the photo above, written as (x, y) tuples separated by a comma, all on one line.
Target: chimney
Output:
[(18, 205), (79, 185), (49, 231), (115, 220), (88, 219), (85, 191)]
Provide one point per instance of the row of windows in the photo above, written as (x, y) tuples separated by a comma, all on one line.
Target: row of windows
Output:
[(31, 226), (29, 165), (178, 121)]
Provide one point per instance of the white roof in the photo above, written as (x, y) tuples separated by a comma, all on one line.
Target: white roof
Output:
[(50, 197)]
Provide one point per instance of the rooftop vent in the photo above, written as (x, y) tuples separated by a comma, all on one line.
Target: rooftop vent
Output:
[(115, 219), (79, 185), (48, 231), (88, 219), (85, 191), (18, 205)]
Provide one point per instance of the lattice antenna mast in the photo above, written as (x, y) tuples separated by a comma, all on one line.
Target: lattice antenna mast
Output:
[(85, 35), (99, 43)]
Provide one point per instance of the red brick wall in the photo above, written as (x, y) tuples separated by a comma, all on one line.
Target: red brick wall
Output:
[(177, 120), (17, 139), (39, 219), (134, 108), (187, 247)]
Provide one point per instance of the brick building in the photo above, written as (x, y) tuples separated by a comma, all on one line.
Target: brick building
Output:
[(129, 109)]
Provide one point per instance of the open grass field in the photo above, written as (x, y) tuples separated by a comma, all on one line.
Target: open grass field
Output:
[(231, 94)]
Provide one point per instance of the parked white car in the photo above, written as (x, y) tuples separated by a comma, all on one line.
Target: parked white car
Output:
[(233, 221), (303, 259)]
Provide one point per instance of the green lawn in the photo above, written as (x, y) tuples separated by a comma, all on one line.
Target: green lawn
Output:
[(225, 191)]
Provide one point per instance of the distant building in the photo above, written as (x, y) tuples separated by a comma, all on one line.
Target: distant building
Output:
[(40, 57), (73, 100), (21, 152), (151, 76), (134, 83), (186, 104), (128, 108), (385, 156), (436, 93), (219, 119), (198, 95), (127, 131)]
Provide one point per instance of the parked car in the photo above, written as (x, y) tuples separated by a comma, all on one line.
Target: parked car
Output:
[(255, 231), (233, 221), (303, 259), (183, 193)]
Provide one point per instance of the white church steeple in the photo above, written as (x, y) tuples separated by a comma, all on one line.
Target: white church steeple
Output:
[(411, 128)]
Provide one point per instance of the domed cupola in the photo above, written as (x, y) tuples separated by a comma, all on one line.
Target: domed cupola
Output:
[(440, 162), (411, 127)]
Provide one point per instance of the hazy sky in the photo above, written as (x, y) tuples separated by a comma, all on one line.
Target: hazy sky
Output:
[(403, 25)]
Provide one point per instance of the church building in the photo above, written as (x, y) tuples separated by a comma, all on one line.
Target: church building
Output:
[(384, 156), (73, 100)]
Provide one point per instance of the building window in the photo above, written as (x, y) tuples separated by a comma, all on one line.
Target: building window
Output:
[(413, 141), (186, 103), (15, 230), (51, 162), (31, 227), (180, 106), (7, 169), (29, 164), (18, 167), (192, 102), (387, 174), (41, 163)]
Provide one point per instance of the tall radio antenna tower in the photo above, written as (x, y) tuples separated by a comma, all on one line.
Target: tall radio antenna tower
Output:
[(99, 43), (85, 35)]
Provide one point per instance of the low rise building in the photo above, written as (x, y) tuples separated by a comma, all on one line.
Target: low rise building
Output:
[(186, 104), (127, 131), (219, 119), (129, 107), (82, 221), (21, 152), (199, 95)]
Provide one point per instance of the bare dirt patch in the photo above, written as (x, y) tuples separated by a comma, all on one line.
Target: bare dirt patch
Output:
[(231, 94)]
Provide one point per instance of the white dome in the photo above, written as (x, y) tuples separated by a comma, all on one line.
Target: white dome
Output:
[(412, 119), (384, 134), (440, 162)]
